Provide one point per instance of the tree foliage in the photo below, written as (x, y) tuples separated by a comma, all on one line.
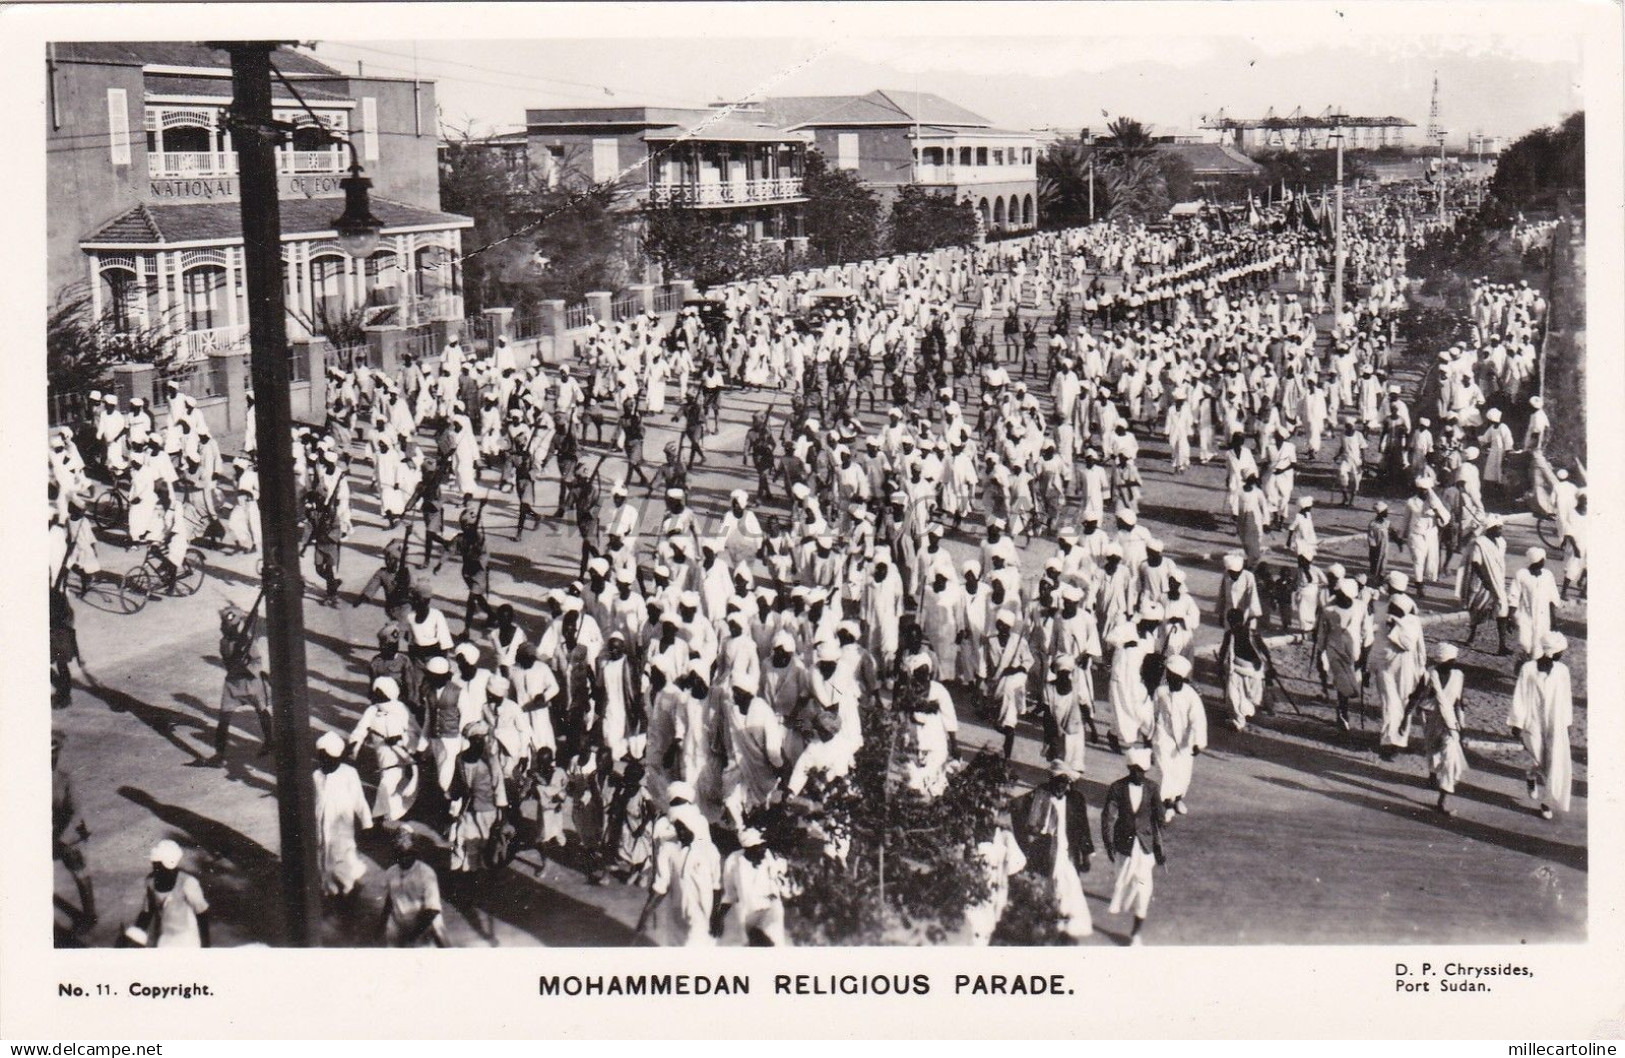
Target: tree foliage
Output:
[(910, 868), (1308, 171), (691, 244), (584, 242), (558, 241), (926, 220), (1546, 163), (842, 215), (80, 348), (1135, 175), (1064, 176)]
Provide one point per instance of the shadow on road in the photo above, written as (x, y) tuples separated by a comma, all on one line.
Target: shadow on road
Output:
[(238, 874)]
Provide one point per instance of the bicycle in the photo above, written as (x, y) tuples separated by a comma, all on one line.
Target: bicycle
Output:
[(1546, 525), (147, 579), (109, 505)]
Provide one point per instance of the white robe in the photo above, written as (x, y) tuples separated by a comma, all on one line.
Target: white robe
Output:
[(1181, 730), (1542, 710), (341, 810)]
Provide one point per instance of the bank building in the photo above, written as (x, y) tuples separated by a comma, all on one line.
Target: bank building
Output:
[(142, 195)]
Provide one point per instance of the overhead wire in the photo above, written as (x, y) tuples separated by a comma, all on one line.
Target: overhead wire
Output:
[(599, 89)]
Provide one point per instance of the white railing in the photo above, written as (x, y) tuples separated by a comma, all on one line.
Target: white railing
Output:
[(433, 307), (972, 174), (733, 192), (192, 163), (197, 345), (224, 163), (313, 162)]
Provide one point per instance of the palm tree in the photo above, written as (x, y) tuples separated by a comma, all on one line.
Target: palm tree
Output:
[(1136, 182), (1129, 140), (1064, 172)]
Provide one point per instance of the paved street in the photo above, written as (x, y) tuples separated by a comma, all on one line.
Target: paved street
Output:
[(1297, 834)]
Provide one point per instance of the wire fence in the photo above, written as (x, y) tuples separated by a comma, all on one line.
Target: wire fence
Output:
[(198, 379), (626, 306), (66, 409), (419, 345), (528, 328), (577, 315)]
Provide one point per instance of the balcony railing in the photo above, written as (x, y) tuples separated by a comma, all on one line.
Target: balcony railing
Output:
[(972, 174), (192, 163), (169, 164), (729, 193), (433, 307), (196, 345), (312, 162)]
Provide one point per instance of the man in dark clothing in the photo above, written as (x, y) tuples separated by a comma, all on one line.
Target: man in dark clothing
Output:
[(394, 577), (69, 832), (632, 442), (1028, 814), (1131, 828), (762, 448), (246, 678)]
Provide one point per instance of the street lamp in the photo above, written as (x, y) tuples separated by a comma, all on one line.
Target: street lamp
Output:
[(357, 228), (256, 134)]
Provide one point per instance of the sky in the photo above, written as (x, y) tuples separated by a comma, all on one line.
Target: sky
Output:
[(1501, 86)]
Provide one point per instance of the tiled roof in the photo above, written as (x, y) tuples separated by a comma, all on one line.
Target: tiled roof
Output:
[(1208, 158), (135, 226), (930, 109), (888, 106), (177, 53), (222, 221)]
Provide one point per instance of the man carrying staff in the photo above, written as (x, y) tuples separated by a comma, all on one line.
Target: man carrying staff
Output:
[(246, 679)]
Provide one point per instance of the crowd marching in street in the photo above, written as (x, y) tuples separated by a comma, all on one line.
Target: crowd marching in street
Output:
[(947, 520)]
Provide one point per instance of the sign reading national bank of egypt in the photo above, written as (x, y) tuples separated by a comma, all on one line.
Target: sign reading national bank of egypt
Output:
[(223, 188)]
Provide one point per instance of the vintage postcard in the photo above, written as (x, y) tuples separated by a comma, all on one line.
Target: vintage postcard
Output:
[(952, 492)]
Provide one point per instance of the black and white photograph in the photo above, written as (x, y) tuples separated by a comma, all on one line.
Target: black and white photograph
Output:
[(882, 489)]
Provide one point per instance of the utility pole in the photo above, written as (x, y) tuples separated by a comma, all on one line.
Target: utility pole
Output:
[(1091, 185), (256, 137), (1337, 235), (1441, 176)]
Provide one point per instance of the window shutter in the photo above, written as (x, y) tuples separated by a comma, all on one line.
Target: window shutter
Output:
[(118, 125), (606, 160), (369, 128), (846, 151)]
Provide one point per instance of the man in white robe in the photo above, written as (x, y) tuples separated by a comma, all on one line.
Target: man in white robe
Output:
[(1534, 599), (1542, 710), (1181, 733)]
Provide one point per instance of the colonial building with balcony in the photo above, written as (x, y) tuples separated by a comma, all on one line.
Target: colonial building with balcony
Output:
[(744, 171), (891, 138), (142, 201)]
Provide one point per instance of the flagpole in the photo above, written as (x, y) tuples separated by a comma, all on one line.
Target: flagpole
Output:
[(1337, 252)]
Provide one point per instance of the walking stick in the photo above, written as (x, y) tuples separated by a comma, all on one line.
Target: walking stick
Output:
[(1275, 677)]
